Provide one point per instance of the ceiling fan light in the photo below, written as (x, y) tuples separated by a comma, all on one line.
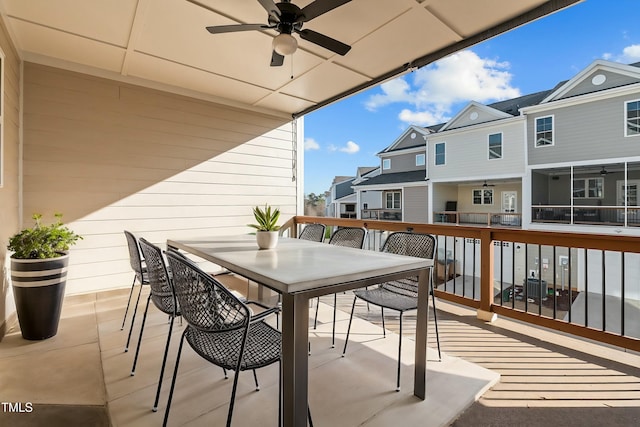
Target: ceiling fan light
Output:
[(285, 44)]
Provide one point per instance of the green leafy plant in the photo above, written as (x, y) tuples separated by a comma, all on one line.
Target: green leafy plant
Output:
[(266, 218), (43, 241)]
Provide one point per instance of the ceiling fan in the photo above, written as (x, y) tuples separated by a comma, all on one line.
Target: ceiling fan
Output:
[(287, 18), (603, 171), (487, 185)]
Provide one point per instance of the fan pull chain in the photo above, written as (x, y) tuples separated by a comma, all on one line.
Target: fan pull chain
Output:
[(291, 67)]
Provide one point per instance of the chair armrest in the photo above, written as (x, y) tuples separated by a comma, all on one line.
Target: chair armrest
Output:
[(268, 310)]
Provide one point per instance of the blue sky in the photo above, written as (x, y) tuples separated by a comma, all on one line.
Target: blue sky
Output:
[(535, 57)]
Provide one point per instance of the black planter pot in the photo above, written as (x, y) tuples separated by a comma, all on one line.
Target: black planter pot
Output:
[(38, 290)]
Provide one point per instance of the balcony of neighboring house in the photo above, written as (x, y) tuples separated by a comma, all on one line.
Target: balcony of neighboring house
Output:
[(602, 195), (494, 203), (382, 214)]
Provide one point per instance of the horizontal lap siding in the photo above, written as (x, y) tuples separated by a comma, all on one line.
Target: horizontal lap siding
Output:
[(415, 204), (584, 132), (112, 156)]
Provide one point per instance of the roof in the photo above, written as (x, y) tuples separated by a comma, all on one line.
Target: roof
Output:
[(164, 44), (512, 106), (344, 188), (396, 178)]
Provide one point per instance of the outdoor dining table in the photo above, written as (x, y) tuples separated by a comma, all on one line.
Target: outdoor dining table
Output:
[(300, 270)]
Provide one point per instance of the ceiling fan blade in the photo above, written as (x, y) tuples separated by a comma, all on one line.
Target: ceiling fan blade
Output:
[(218, 29), (270, 7), (318, 8), (325, 41), (276, 59)]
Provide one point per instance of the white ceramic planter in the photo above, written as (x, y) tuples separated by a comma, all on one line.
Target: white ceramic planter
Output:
[(267, 239)]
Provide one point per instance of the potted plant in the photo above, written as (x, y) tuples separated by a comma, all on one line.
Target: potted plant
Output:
[(39, 274), (267, 230)]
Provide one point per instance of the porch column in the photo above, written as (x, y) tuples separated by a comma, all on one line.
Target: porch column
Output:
[(486, 277)]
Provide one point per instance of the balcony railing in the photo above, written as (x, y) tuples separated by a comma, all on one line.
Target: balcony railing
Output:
[(583, 284), (479, 218), (597, 215), (382, 214)]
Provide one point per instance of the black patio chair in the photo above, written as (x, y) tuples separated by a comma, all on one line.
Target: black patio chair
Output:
[(351, 237), (140, 275), (220, 327), (400, 295), (163, 298), (313, 232)]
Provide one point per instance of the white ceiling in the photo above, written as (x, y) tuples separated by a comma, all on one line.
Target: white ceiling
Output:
[(164, 44)]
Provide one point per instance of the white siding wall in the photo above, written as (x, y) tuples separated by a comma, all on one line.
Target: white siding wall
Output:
[(112, 156), (9, 158), (467, 153)]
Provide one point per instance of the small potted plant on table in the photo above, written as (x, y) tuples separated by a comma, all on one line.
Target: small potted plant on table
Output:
[(39, 274), (267, 230)]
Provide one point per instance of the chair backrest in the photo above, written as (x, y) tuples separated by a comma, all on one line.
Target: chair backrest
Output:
[(313, 232), (160, 283), (352, 237), (135, 259), (410, 244), (204, 302)]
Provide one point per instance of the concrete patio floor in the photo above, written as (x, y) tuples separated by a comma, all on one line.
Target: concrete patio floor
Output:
[(85, 367), (82, 376)]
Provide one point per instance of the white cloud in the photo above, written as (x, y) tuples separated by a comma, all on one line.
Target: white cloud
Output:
[(421, 118), (461, 77), (629, 55), (350, 148), (311, 144)]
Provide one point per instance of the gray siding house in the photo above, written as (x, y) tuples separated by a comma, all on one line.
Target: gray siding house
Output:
[(583, 150), (399, 192)]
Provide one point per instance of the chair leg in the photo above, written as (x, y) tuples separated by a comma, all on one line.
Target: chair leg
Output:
[(144, 320), (333, 330), (233, 394), (126, 310), (255, 379), (384, 330), (315, 319), (164, 364), (173, 381), (226, 376), (435, 321), (346, 340), (399, 354), (133, 318)]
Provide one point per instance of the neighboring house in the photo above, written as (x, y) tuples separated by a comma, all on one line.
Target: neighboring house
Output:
[(477, 164), (399, 192), (342, 200), (583, 151)]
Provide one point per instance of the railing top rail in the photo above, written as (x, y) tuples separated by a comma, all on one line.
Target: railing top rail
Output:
[(610, 242)]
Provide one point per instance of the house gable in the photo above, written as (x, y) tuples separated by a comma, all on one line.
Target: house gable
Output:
[(474, 113), (599, 76), (413, 137)]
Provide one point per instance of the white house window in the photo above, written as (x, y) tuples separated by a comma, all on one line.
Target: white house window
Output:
[(495, 146), (483, 196), (386, 164), (440, 153), (393, 200), (588, 188), (419, 159), (632, 118), (544, 131)]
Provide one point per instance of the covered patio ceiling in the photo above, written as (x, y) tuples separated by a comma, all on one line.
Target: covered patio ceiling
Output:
[(164, 44)]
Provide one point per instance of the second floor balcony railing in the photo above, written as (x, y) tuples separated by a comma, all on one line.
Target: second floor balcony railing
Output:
[(382, 214), (509, 219), (595, 215), (577, 283)]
